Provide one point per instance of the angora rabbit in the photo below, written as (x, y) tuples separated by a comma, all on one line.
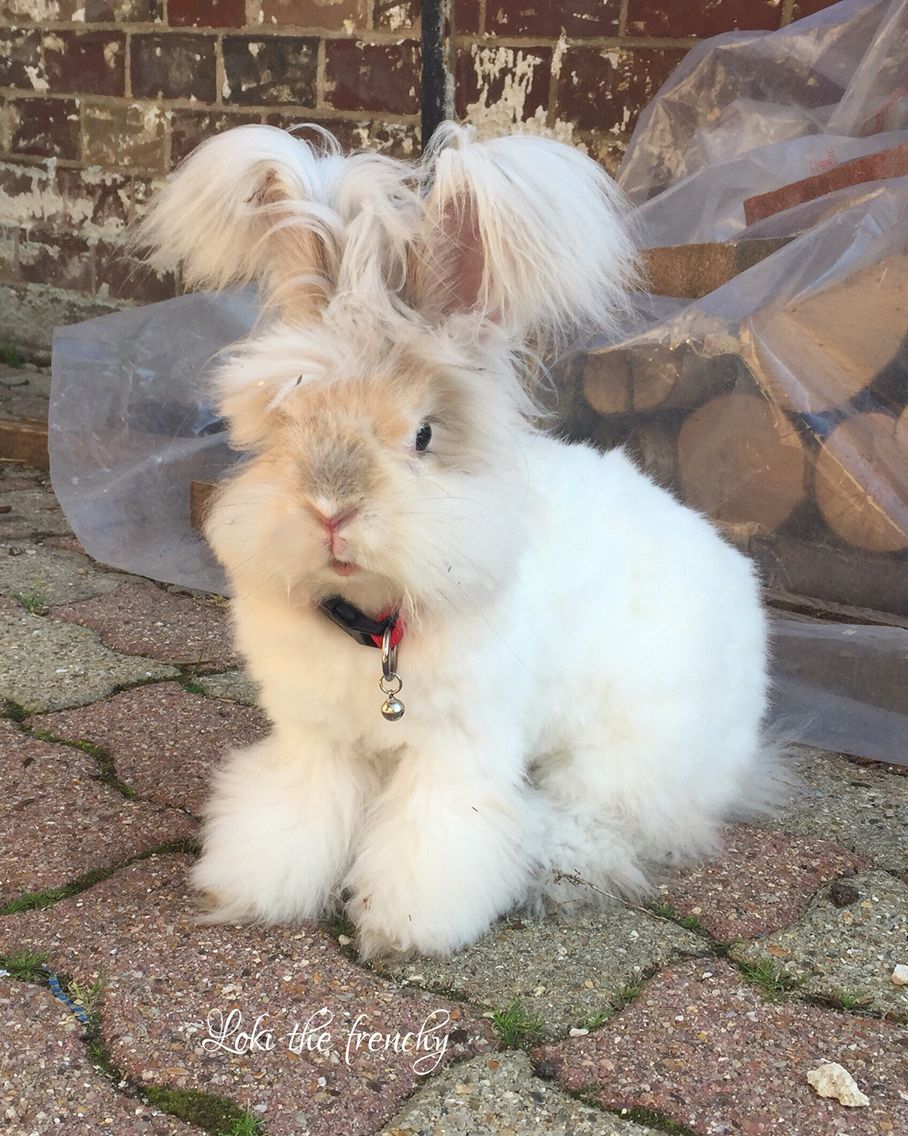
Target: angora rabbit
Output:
[(582, 660)]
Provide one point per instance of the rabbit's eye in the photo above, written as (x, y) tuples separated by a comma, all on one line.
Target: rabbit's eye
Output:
[(423, 437)]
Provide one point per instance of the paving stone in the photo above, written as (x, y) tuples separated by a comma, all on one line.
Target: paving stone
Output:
[(234, 685), (760, 881), (167, 978), (490, 1096), (563, 973), (846, 948), (46, 665), (46, 575), (164, 741), (48, 1084), (33, 512), (860, 807), (58, 820), (14, 475), (142, 619), (702, 1048)]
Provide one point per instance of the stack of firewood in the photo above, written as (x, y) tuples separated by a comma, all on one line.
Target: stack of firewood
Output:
[(794, 438)]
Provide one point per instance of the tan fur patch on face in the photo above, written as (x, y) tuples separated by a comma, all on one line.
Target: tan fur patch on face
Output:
[(339, 434)]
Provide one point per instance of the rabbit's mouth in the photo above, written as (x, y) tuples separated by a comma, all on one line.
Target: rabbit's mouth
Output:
[(343, 567)]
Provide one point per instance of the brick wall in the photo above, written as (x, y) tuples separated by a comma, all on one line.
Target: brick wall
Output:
[(99, 98)]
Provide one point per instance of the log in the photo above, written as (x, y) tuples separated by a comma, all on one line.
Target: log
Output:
[(861, 482), (607, 381), (692, 271), (646, 377), (741, 461), (823, 350), (654, 445), (686, 376)]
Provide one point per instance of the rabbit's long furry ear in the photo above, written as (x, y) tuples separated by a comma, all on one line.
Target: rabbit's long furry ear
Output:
[(529, 232), (257, 203)]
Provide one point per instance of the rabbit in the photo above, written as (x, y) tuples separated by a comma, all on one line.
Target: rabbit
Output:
[(562, 680)]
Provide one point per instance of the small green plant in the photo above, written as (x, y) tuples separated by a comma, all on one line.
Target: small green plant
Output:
[(771, 978), (594, 1021), (515, 1026), (86, 994), (625, 994), (851, 999), (666, 911), (245, 1125), (34, 602), (27, 966), (10, 355)]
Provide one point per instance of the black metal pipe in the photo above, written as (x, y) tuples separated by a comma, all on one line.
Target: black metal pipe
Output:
[(435, 82)]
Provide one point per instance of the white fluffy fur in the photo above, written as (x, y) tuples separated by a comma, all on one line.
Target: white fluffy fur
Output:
[(584, 663)]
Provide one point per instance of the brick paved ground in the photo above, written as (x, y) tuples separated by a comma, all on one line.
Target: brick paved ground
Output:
[(702, 1014)]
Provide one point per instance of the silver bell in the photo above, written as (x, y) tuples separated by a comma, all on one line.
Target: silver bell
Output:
[(392, 709)]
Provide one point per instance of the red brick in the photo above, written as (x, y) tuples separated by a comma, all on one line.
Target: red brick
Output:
[(126, 278), (60, 259), (206, 13), (467, 17), (397, 139), (189, 128), (604, 89), (173, 67), (20, 53), (395, 15), (543, 18), (804, 8), (483, 71), (45, 127), (85, 63), (329, 14), (262, 72), (380, 77), (122, 11), (107, 196), (125, 135), (65, 197), (681, 18), (17, 12)]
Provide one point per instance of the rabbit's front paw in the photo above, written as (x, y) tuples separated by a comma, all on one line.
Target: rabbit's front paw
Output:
[(277, 834), (431, 881)]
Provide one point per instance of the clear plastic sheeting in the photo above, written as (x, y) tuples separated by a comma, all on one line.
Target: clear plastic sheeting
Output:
[(131, 428), (837, 75), (778, 403)]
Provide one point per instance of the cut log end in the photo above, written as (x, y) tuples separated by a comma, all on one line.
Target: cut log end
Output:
[(861, 482), (741, 461)]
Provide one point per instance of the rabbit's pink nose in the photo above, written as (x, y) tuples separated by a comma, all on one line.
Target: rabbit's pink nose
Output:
[(334, 523)]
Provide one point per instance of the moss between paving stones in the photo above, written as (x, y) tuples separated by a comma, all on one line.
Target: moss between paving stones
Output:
[(844, 955)]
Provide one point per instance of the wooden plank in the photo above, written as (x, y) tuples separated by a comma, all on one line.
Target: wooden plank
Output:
[(891, 163), (24, 440)]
